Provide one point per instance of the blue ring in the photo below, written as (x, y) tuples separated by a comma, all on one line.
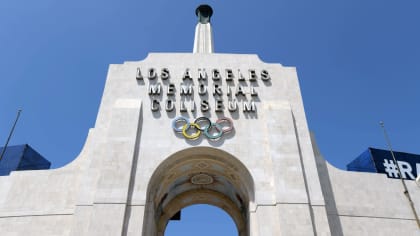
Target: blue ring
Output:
[(178, 119)]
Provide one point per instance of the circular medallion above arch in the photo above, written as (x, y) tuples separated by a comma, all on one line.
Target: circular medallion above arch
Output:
[(199, 175)]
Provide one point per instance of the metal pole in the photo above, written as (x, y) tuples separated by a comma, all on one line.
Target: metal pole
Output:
[(406, 193), (10, 134)]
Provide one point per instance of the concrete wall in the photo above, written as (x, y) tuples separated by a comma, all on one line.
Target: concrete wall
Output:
[(106, 190), (367, 203)]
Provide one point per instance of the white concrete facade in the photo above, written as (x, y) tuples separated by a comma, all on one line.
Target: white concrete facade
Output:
[(267, 174)]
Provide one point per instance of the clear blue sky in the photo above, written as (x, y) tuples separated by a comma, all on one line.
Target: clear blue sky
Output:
[(358, 63)]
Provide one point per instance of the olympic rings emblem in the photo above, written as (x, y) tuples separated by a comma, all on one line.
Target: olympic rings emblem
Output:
[(201, 125)]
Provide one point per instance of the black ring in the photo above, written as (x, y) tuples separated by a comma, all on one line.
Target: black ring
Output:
[(201, 119)]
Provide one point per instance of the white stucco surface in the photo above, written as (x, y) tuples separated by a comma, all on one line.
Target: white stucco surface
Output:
[(116, 184)]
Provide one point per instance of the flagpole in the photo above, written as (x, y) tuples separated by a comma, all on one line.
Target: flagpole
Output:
[(406, 192), (10, 134)]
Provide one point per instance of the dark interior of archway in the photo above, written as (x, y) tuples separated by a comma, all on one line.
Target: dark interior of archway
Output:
[(199, 176), (203, 220)]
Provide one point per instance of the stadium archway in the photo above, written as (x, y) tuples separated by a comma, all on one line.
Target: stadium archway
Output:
[(199, 175), (203, 220)]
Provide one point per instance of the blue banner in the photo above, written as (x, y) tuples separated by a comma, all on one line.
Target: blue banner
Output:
[(381, 161)]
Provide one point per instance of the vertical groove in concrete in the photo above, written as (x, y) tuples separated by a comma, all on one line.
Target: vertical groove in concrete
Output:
[(133, 172), (311, 210), (326, 187)]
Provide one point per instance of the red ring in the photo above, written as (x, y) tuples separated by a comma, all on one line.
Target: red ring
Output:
[(225, 129)]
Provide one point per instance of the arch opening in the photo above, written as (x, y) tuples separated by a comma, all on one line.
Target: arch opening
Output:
[(199, 175), (202, 219)]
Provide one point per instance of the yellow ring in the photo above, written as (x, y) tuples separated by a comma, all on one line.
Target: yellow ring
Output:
[(193, 135)]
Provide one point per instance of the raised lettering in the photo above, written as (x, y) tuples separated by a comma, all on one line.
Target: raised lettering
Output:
[(228, 90), (240, 76), (138, 74), (155, 106), (170, 90), (265, 76), (152, 73), (249, 106), (204, 105), (252, 91), (252, 75), (192, 106), (202, 89), (232, 105), (216, 74), (218, 105), (182, 107), (239, 91), (164, 74), (217, 90), (169, 105), (202, 74), (186, 89), (229, 75), (187, 75), (154, 89)]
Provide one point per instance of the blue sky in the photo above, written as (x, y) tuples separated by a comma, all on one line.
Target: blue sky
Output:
[(358, 62)]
